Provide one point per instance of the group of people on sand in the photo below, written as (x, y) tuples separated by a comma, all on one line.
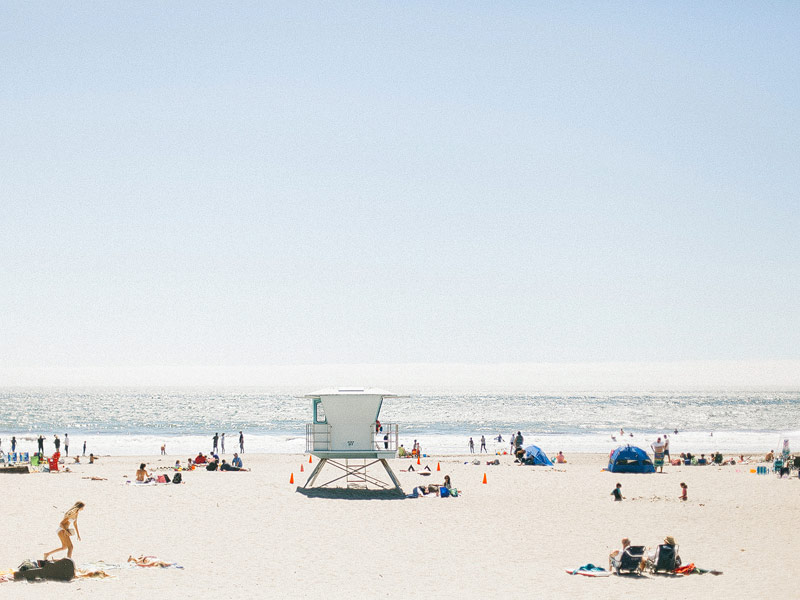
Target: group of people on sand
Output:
[(442, 490), (214, 463)]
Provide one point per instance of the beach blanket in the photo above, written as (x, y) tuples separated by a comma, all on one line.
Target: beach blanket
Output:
[(691, 568), (589, 570)]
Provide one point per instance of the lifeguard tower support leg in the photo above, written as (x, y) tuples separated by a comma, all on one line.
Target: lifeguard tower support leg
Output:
[(313, 477)]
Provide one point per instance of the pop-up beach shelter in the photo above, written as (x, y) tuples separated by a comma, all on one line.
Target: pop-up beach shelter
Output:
[(346, 433), (630, 459), (538, 456)]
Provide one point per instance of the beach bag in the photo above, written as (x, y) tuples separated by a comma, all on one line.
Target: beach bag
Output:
[(161, 479), (177, 478), (166, 478), (444, 492)]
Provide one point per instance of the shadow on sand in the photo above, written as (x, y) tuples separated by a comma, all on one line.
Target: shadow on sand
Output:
[(351, 494)]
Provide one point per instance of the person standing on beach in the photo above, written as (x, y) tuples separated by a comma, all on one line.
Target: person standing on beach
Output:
[(215, 442), (471, 446), (65, 531), (57, 443), (66, 445), (666, 447), (241, 442), (483, 444), (13, 444), (84, 447), (222, 442), (519, 440), (658, 454), (163, 449), (40, 441)]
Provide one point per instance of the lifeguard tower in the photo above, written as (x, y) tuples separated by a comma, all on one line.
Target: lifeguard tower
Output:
[(347, 434)]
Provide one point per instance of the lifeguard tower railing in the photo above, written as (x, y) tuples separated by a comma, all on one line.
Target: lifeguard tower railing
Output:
[(318, 438)]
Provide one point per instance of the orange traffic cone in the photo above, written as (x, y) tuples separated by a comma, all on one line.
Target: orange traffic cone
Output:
[(484, 478), (301, 467), (291, 478), (309, 459), (418, 460), (438, 468)]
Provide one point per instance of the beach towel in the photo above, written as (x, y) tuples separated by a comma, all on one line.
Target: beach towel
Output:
[(589, 570), (691, 568)]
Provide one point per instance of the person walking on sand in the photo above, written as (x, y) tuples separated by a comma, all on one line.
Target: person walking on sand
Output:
[(241, 443), (222, 442), (471, 446), (215, 443), (66, 445), (65, 531), (483, 444)]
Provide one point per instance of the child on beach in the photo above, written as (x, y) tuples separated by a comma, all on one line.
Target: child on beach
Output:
[(617, 493), (684, 491)]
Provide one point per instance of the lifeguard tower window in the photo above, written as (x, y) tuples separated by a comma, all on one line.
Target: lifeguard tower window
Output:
[(319, 413)]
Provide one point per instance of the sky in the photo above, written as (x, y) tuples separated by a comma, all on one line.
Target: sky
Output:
[(193, 184)]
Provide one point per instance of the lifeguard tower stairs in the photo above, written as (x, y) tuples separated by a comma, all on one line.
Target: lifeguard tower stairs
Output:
[(346, 434)]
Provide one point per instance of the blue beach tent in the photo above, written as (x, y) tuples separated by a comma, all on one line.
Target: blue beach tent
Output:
[(630, 459), (535, 456)]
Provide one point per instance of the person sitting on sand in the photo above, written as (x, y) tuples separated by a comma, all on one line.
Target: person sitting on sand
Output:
[(684, 491), (77, 459), (142, 476), (770, 456), (65, 531), (625, 543), (401, 452), (237, 461), (520, 454), (178, 465), (226, 467), (560, 457), (617, 493), (200, 459), (92, 458), (212, 466)]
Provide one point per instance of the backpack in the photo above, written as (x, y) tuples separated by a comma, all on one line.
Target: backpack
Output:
[(177, 478), (166, 478)]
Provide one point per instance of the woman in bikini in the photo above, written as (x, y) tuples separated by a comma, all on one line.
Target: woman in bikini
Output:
[(65, 531)]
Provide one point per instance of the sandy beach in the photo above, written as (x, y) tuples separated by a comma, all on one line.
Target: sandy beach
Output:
[(252, 534)]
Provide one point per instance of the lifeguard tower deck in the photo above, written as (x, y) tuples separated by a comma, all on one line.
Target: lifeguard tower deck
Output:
[(346, 433)]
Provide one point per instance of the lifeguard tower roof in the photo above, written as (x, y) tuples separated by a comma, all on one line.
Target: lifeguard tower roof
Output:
[(349, 391)]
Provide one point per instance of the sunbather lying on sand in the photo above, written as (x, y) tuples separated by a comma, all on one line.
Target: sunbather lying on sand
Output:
[(148, 561)]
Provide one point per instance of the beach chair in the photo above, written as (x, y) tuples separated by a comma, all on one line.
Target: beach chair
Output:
[(666, 559), (12, 458), (629, 561), (24, 457), (777, 465)]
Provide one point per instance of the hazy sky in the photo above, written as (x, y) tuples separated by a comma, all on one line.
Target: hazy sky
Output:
[(191, 183)]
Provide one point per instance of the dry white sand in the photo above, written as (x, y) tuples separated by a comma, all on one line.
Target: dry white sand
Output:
[(252, 535)]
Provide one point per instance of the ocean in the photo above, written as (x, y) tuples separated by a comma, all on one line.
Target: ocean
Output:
[(139, 421)]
